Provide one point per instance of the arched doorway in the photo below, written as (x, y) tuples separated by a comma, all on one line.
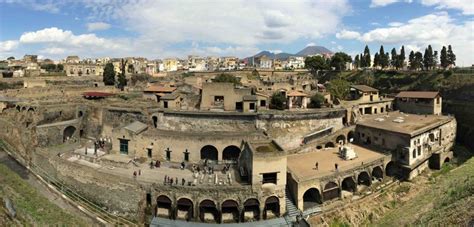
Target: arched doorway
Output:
[(251, 210), (348, 184), (331, 191), (391, 169), (184, 209), (311, 198), (329, 145), (319, 147), (209, 152), (341, 138), (231, 153), (351, 135), (230, 211), (377, 173), (208, 211), (446, 160), (272, 208), (68, 133), (364, 179), (155, 121), (80, 113), (163, 206)]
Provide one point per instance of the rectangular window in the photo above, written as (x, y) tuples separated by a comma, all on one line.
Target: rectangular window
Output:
[(269, 178), (414, 153), (149, 151), (186, 156), (123, 146), (252, 106), (218, 98), (165, 104), (168, 154), (263, 103), (419, 150)]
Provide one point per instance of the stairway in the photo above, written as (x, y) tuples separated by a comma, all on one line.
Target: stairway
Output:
[(291, 210)]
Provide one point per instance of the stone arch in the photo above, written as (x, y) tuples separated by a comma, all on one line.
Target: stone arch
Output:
[(208, 211), (329, 145), (377, 172), (230, 211), (231, 153), (80, 113), (209, 152), (23, 108), (348, 184), (331, 191), (155, 121), (311, 198), (364, 178), (163, 206), (18, 108), (184, 209), (390, 169), (31, 109), (351, 135), (68, 133), (251, 210), (272, 207), (447, 159), (341, 138)]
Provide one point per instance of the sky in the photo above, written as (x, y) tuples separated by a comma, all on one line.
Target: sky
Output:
[(163, 28)]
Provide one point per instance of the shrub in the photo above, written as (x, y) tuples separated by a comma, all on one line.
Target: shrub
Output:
[(317, 101), (278, 101)]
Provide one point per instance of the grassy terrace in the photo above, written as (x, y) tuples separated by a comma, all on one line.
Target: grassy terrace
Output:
[(33, 209)]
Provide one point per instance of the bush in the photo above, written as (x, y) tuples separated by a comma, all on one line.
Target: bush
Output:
[(226, 78), (317, 101), (278, 101)]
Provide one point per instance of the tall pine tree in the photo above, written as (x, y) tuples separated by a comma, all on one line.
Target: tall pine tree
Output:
[(401, 58), (367, 57), (444, 58), (394, 60), (411, 60), (451, 56), (376, 60), (109, 74)]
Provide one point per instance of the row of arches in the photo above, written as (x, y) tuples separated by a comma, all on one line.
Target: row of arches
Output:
[(343, 138), (208, 211), (332, 190), (230, 153)]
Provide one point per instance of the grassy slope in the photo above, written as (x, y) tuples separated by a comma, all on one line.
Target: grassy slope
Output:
[(32, 208), (449, 200)]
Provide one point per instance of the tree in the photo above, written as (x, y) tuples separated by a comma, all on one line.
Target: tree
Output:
[(418, 60), (278, 101), (451, 56), (383, 58), (401, 58), (338, 88), (109, 74), (11, 58), (315, 64), (411, 60), (226, 78), (435, 59), (376, 60), (362, 61), (122, 79), (357, 61), (367, 57), (394, 60), (444, 58), (339, 60), (428, 59), (317, 101)]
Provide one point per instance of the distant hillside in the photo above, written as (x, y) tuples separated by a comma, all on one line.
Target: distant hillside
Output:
[(313, 50), (307, 51)]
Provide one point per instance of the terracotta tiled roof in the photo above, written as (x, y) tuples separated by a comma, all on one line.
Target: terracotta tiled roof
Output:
[(418, 94), (160, 89), (296, 93), (364, 88)]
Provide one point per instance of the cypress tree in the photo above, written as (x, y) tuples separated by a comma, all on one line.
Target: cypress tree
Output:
[(394, 61), (451, 56), (401, 58), (367, 57), (109, 74), (411, 60), (444, 58)]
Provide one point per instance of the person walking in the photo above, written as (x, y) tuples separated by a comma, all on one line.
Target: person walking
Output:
[(317, 165), (171, 181), (183, 181), (139, 172), (166, 178), (134, 174), (335, 165)]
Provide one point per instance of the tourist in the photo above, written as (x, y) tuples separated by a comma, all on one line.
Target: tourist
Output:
[(166, 179), (171, 181), (183, 165), (152, 164), (335, 165), (317, 165), (183, 181), (134, 174), (157, 164), (176, 181), (139, 172)]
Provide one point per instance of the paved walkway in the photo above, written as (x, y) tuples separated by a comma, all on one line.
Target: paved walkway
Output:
[(157, 221)]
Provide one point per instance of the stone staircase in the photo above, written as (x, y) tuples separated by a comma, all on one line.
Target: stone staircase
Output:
[(291, 210)]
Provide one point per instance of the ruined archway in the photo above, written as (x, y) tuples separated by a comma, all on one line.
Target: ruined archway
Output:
[(348, 184), (184, 209), (331, 191), (341, 138), (68, 133), (251, 210), (208, 211), (311, 198), (230, 211), (209, 152), (377, 173), (329, 145), (163, 206), (391, 169), (364, 179), (272, 208), (231, 153)]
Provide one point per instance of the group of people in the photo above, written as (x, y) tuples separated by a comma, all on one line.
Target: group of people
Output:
[(137, 173), (170, 180), (336, 166), (156, 164)]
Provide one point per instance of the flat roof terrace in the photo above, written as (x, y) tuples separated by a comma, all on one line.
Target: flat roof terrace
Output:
[(403, 123), (302, 166)]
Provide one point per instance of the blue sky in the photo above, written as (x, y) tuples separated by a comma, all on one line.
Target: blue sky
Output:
[(159, 29)]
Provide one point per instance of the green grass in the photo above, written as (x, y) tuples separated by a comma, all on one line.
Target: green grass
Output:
[(32, 208)]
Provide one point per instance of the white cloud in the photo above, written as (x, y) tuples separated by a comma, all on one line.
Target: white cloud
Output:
[(46, 6), (9, 45), (466, 6), (395, 24), (97, 26), (311, 44), (346, 34), (435, 29), (381, 3), (53, 51)]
